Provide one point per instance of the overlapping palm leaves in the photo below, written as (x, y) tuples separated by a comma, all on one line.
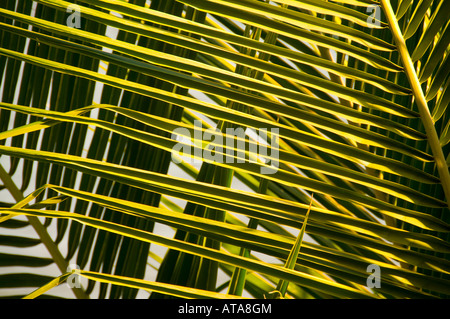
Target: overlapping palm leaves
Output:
[(357, 91)]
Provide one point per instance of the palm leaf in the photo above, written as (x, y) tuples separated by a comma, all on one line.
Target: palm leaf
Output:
[(90, 117)]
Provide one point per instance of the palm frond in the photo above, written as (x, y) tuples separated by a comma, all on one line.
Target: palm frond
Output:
[(93, 116)]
